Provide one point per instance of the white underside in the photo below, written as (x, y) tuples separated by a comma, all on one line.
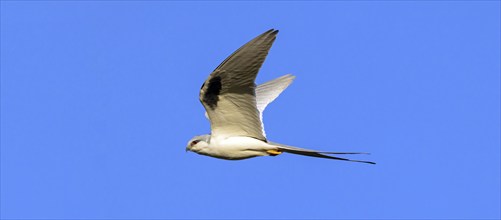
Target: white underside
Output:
[(236, 148)]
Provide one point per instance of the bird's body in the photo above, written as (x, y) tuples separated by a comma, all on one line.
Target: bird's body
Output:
[(234, 106), (236, 148)]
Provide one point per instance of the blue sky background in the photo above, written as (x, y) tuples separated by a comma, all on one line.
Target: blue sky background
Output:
[(98, 101)]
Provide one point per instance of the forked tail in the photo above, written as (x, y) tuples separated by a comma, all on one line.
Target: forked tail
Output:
[(314, 153)]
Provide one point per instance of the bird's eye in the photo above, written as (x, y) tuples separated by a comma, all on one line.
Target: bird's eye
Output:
[(194, 142)]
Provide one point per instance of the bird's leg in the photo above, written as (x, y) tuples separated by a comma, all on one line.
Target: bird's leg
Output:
[(273, 152)]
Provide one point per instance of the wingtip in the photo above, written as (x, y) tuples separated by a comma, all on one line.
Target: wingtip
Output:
[(272, 31), (288, 76)]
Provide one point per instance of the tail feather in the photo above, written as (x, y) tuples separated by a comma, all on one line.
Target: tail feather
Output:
[(320, 154)]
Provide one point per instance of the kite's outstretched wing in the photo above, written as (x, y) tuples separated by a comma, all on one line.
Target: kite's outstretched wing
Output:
[(229, 95), (269, 91)]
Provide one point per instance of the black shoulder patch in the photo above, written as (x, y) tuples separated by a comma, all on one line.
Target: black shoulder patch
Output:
[(211, 96)]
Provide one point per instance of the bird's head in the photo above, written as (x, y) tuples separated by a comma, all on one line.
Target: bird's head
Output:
[(197, 143)]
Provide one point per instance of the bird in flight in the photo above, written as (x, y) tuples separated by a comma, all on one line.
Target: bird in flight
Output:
[(234, 105)]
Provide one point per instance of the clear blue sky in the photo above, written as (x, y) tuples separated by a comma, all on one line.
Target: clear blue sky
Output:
[(98, 101)]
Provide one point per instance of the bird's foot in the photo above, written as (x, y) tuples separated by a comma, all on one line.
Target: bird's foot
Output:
[(273, 152)]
